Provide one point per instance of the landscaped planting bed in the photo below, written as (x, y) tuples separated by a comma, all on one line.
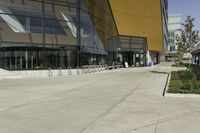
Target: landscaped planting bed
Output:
[(185, 81)]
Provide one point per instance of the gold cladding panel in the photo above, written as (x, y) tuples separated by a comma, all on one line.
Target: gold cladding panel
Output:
[(140, 18)]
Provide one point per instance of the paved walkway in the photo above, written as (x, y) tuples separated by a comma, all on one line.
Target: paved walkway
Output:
[(121, 101)]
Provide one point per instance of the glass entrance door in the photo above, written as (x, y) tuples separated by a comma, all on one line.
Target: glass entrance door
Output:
[(139, 59), (128, 58), (134, 59)]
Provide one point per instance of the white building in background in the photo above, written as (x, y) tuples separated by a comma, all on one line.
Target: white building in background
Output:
[(174, 26)]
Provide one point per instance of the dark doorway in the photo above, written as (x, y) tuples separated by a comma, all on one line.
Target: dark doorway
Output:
[(134, 59)]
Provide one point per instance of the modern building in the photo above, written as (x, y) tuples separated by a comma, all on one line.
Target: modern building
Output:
[(146, 19), (41, 34), (174, 27)]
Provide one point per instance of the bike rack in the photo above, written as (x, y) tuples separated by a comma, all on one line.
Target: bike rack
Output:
[(77, 70), (50, 72), (69, 71), (60, 72)]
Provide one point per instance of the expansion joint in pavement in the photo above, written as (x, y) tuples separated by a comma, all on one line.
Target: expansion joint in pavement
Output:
[(114, 105)]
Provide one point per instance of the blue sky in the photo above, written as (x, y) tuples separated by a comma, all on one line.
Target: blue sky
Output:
[(186, 8)]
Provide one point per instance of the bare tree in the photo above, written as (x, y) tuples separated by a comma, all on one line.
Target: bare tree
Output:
[(189, 39)]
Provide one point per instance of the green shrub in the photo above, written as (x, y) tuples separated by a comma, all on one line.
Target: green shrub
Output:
[(176, 83), (175, 86), (187, 75), (185, 82), (187, 86), (196, 85), (174, 91), (198, 75), (181, 73), (174, 76)]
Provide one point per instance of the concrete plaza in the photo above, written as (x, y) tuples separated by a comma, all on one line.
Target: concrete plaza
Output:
[(118, 101)]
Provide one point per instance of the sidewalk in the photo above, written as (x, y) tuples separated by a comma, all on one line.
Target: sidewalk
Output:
[(121, 101)]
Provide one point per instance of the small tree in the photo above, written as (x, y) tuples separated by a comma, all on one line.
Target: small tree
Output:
[(189, 38)]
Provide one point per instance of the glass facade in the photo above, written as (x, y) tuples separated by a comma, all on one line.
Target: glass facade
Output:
[(41, 34), (128, 49), (97, 28), (165, 23), (38, 34), (174, 26)]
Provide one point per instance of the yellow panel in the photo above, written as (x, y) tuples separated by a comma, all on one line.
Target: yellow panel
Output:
[(140, 18)]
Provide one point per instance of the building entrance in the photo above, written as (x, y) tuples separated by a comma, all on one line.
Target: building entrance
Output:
[(139, 59), (134, 59)]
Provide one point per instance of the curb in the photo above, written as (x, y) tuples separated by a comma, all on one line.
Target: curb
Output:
[(166, 84)]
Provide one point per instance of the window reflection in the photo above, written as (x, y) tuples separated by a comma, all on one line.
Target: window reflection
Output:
[(45, 33)]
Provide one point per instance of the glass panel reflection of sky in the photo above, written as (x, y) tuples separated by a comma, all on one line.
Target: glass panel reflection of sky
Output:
[(90, 40)]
